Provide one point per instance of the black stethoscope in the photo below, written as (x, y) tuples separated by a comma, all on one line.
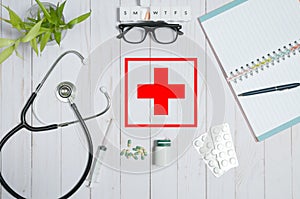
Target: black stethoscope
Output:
[(66, 93)]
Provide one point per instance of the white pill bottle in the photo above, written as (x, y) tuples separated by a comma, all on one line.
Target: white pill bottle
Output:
[(162, 152)]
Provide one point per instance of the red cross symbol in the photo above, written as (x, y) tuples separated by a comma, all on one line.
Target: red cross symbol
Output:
[(161, 91)]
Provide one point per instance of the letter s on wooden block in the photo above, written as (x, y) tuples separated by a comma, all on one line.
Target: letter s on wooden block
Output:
[(124, 13), (186, 13)]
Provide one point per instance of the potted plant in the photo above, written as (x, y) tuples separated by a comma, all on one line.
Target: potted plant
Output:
[(47, 25)]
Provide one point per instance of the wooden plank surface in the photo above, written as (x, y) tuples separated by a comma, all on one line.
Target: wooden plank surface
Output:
[(218, 112), (191, 169), (15, 88), (104, 45), (46, 165), (278, 166), (295, 161)]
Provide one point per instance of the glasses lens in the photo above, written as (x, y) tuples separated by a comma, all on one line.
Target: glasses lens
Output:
[(165, 35), (134, 34)]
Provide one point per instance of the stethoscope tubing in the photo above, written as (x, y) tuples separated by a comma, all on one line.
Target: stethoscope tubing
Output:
[(24, 125)]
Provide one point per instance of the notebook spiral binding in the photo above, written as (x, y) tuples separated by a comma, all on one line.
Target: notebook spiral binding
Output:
[(264, 63)]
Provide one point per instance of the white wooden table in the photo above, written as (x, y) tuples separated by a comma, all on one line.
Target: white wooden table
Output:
[(46, 165)]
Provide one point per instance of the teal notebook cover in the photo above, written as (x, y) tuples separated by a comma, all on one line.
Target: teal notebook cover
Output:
[(251, 30)]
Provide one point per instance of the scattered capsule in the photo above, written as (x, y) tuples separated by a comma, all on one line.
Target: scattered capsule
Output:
[(140, 151), (134, 152), (129, 155), (126, 153), (129, 143), (123, 152), (135, 157), (138, 147)]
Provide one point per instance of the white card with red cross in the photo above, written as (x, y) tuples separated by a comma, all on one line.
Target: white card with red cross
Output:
[(159, 94)]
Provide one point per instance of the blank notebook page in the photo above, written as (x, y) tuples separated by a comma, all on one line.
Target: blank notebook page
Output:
[(244, 34)]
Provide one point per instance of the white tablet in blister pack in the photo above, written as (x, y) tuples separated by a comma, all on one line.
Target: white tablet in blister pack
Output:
[(217, 149)]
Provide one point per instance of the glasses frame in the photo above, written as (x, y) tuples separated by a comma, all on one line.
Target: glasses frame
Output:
[(149, 27)]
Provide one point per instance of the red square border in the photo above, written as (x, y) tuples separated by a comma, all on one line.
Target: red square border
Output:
[(195, 60)]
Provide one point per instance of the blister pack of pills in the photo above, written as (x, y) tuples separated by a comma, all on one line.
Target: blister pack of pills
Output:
[(217, 149)]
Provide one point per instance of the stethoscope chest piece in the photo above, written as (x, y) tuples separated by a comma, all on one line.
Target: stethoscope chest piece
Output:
[(66, 91)]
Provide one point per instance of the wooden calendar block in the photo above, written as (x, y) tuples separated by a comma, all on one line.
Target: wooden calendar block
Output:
[(165, 13), (175, 13), (135, 13), (124, 13), (186, 13), (155, 13)]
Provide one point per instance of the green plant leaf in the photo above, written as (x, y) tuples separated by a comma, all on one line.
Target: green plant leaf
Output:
[(32, 20), (15, 20), (17, 43), (46, 13), (44, 40), (6, 53), (39, 15), (57, 36), (6, 20), (78, 20), (6, 42), (60, 9), (34, 32), (34, 46), (18, 54), (54, 16)]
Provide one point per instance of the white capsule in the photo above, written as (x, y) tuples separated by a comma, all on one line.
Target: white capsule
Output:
[(211, 163), (226, 137), (218, 138), (214, 152), (206, 157), (224, 163), (230, 152), (225, 128), (222, 155), (202, 150), (220, 147), (216, 130), (197, 143), (217, 170), (203, 137), (232, 161), (209, 145), (228, 144)]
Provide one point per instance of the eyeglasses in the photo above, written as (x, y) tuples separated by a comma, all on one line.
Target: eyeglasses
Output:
[(161, 31)]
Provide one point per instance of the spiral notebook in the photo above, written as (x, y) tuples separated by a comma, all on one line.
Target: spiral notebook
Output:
[(257, 45)]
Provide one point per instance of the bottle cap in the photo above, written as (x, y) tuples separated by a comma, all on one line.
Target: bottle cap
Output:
[(163, 142)]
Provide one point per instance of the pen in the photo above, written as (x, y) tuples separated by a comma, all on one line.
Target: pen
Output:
[(271, 89)]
